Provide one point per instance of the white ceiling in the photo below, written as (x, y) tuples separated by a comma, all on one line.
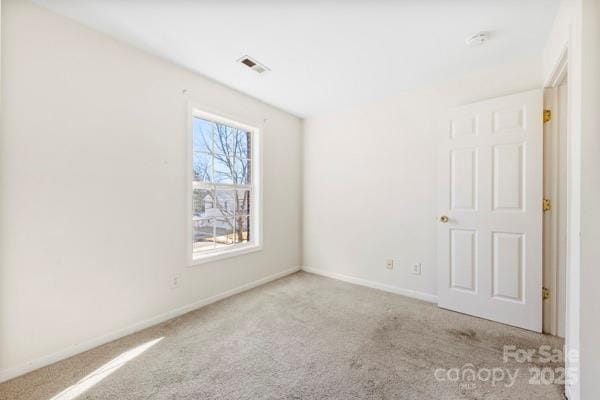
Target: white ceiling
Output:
[(324, 55)]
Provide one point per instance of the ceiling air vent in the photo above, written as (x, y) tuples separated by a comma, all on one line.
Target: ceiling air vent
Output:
[(477, 39), (253, 65)]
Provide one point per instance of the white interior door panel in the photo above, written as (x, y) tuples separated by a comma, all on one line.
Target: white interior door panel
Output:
[(490, 190)]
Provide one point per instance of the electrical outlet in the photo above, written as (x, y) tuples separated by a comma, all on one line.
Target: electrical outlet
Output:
[(416, 269), (389, 264), (175, 280)]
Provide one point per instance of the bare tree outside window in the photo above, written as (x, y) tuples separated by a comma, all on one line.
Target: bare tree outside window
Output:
[(222, 185)]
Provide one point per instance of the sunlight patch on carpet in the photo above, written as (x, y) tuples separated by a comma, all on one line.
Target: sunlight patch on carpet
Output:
[(105, 370)]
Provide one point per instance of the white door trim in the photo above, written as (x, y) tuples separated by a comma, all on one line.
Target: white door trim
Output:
[(555, 179), (570, 59)]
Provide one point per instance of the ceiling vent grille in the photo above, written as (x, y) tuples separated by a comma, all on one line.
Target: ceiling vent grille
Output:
[(477, 39), (253, 64)]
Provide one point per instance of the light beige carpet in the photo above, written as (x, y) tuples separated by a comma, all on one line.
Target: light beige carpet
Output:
[(301, 337)]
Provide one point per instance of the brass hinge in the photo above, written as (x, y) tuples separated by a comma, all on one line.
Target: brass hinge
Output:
[(547, 115), (546, 206), (545, 293)]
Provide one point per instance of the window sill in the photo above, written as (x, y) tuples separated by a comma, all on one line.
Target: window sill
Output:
[(221, 255)]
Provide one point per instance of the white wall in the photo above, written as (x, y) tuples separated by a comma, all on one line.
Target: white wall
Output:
[(576, 29), (93, 176), (590, 199), (565, 37), (370, 180)]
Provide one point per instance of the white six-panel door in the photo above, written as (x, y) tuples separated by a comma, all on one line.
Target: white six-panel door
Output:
[(490, 244)]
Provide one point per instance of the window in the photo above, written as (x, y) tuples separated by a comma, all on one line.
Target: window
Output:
[(224, 187)]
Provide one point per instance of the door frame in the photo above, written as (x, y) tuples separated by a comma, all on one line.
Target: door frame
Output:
[(569, 62), (556, 139)]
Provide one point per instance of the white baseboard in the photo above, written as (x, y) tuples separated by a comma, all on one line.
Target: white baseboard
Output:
[(374, 285), (10, 373)]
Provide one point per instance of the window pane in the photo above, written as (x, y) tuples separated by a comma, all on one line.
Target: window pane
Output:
[(224, 231), (225, 202), (202, 167), (202, 135), (242, 142), (242, 201), (203, 202), (223, 170), (242, 229), (223, 138), (241, 172), (203, 233)]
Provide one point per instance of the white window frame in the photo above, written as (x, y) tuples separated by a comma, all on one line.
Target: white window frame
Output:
[(195, 110)]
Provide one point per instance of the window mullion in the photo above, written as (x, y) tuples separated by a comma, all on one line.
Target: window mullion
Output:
[(235, 214), (212, 156), (232, 186)]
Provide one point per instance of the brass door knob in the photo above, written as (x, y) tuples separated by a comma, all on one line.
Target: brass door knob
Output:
[(444, 219)]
